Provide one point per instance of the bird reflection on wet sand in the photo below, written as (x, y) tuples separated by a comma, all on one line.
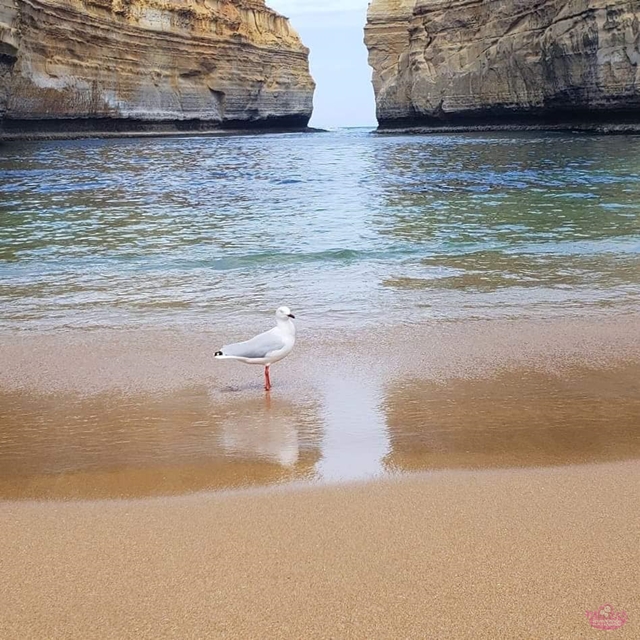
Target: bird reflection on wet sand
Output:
[(120, 445)]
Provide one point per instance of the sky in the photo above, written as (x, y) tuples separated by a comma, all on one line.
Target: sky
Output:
[(333, 31)]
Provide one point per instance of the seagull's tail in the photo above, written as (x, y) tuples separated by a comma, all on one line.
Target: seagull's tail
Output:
[(217, 354)]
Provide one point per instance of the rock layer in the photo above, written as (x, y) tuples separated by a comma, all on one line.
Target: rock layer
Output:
[(519, 62), (130, 65)]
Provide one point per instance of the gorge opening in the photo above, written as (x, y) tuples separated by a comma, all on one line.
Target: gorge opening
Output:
[(334, 32)]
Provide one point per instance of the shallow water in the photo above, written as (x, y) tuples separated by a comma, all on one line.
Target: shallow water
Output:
[(347, 227)]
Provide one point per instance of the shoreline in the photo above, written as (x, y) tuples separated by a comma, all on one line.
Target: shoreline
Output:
[(64, 360), (121, 414)]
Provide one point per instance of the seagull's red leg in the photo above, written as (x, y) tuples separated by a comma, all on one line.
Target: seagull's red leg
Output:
[(267, 380)]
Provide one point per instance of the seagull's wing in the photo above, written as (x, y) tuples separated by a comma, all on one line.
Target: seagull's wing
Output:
[(259, 347)]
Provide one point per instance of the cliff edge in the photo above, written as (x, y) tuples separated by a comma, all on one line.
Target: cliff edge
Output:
[(100, 66), (466, 63)]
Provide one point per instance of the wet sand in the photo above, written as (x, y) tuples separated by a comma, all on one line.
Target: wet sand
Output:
[(93, 415), (148, 491)]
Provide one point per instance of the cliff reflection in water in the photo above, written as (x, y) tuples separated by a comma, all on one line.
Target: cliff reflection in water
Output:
[(517, 418), (509, 223), (116, 445)]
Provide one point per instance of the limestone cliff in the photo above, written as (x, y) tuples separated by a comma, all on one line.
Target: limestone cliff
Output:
[(513, 62), (131, 65), (8, 49)]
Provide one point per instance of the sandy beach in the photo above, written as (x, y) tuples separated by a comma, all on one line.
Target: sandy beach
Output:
[(496, 554), (447, 480)]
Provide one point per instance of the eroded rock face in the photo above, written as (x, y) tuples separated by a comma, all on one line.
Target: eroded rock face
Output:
[(8, 49), (466, 62), (92, 64)]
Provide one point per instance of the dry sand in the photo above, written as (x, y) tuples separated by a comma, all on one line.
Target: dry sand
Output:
[(495, 554)]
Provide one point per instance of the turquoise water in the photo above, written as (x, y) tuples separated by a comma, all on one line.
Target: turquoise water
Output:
[(346, 227)]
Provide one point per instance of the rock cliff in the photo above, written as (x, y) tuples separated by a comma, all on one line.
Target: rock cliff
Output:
[(149, 65), (510, 62)]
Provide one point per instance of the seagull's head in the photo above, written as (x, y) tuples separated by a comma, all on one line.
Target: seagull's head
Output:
[(284, 313)]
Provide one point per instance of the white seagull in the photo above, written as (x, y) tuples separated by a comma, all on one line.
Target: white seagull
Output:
[(266, 348)]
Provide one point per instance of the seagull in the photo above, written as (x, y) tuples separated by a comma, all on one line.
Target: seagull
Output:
[(266, 348)]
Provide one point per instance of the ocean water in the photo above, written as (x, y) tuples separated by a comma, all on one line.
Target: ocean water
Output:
[(346, 227)]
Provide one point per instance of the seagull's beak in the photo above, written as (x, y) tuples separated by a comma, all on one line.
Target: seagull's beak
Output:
[(292, 316)]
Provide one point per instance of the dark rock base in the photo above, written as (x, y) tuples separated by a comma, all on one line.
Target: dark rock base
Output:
[(600, 121), (61, 129)]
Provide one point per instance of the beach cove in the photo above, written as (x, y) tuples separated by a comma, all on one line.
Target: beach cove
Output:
[(451, 451)]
